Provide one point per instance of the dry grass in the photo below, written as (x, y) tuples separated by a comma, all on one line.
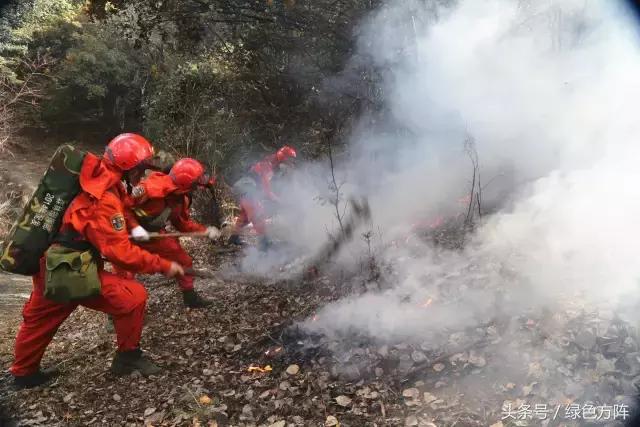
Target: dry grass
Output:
[(5, 216), (8, 203)]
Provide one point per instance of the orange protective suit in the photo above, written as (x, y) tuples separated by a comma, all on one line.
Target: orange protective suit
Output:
[(251, 200), (95, 216), (153, 196)]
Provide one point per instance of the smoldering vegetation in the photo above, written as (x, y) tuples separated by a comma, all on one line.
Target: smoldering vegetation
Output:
[(502, 180)]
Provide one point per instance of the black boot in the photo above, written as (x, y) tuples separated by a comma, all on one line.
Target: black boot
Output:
[(193, 300), (264, 244), (126, 362), (35, 379), (234, 239)]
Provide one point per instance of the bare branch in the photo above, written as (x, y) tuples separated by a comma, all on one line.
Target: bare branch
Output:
[(336, 188)]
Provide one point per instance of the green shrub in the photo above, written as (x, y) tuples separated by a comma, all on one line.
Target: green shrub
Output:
[(97, 80), (187, 111)]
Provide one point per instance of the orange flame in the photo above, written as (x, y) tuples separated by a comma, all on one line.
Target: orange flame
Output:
[(427, 303), (264, 370), (273, 351)]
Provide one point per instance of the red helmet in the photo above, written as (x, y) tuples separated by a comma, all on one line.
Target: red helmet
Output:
[(187, 173), (128, 150), (285, 153)]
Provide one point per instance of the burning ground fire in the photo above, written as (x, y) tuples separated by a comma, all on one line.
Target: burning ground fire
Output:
[(273, 352), (495, 322), (427, 303), (260, 370)]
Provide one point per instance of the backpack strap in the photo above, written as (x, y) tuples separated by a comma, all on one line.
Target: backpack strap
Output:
[(71, 239), (153, 223)]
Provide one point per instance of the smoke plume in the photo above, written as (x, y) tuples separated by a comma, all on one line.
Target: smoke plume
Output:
[(547, 92)]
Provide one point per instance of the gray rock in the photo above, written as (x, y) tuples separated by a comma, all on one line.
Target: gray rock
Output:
[(418, 356), (411, 421), (411, 393), (343, 400), (383, 351)]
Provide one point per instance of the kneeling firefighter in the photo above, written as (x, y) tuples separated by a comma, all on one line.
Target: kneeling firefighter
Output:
[(71, 271), (254, 193), (161, 198)]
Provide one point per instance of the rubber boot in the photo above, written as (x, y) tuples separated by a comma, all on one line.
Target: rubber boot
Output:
[(234, 239), (35, 379), (126, 362), (264, 244), (193, 300)]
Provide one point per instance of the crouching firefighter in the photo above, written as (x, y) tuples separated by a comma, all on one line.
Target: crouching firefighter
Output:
[(254, 194), (71, 271), (165, 198)]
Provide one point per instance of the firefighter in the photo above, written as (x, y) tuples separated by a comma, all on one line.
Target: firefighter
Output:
[(160, 198), (95, 220), (254, 194)]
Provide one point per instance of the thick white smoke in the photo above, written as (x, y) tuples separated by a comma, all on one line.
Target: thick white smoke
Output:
[(549, 92)]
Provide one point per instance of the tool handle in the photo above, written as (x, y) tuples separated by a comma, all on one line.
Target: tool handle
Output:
[(156, 235), (199, 273)]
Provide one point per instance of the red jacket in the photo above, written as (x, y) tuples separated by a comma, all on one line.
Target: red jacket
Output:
[(264, 171), (156, 193), (97, 214)]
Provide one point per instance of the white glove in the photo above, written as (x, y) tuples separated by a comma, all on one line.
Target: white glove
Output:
[(139, 234), (213, 233)]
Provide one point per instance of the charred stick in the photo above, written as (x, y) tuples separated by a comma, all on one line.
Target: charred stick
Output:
[(155, 235), (200, 273)]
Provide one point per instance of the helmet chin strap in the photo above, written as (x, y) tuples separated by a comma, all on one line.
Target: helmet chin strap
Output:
[(135, 174), (109, 155)]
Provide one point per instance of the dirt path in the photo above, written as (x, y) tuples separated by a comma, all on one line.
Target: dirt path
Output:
[(20, 171)]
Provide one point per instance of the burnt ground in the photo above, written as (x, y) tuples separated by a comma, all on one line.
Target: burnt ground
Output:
[(208, 356), (205, 353), (211, 360)]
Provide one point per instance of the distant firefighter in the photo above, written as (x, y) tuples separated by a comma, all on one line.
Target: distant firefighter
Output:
[(254, 191), (161, 198)]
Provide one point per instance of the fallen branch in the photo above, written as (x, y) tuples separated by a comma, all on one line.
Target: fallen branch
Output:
[(360, 212)]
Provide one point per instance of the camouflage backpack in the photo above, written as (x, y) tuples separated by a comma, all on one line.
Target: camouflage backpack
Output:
[(38, 225)]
